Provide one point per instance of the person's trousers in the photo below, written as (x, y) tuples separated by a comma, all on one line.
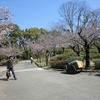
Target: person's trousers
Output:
[(13, 73), (31, 61)]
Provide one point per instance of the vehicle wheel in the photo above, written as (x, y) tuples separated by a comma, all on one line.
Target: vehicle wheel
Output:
[(71, 69), (65, 68)]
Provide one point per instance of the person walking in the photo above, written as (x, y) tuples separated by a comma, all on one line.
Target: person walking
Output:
[(10, 67), (31, 59)]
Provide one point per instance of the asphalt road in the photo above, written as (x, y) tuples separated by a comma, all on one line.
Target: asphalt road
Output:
[(38, 84)]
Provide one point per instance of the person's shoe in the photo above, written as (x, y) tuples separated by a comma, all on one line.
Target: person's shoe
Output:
[(15, 79), (7, 79)]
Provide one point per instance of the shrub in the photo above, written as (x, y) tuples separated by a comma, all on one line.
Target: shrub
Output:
[(93, 50), (61, 63), (94, 55), (59, 51), (68, 55), (68, 50), (60, 57), (57, 64), (97, 63), (82, 53), (75, 58), (53, 58), (3, 63), (63, 56)]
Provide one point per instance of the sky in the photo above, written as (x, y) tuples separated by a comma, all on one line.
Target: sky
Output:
[(38, 13)]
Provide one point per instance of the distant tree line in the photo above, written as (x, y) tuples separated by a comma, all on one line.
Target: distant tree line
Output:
[(79, 29)]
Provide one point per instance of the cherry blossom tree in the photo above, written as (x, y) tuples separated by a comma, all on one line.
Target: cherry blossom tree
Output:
[(6, 27), (46, 43), (63, 41), (5, 21), (65, 38), (81, 21), (37, 48)]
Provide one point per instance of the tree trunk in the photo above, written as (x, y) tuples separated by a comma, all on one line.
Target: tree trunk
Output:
[(39, 57), (46, 61), (36, 57), (63, 50), (47, 57), (98, 49), (87, 58), (77, 51)]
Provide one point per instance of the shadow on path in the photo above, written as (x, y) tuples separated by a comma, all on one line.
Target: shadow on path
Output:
[(3, 79), (97, 75)]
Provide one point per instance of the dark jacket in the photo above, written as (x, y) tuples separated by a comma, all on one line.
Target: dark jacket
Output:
[(9, 64)]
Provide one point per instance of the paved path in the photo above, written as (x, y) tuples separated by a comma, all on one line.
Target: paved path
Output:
[(37, 84), (2, 70)]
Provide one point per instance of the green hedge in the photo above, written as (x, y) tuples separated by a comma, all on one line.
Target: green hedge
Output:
[(59, 51), (61, 63), (94, 55), (93, 50), (58, 64), (3, 63), (63, 56), (97, 63)]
